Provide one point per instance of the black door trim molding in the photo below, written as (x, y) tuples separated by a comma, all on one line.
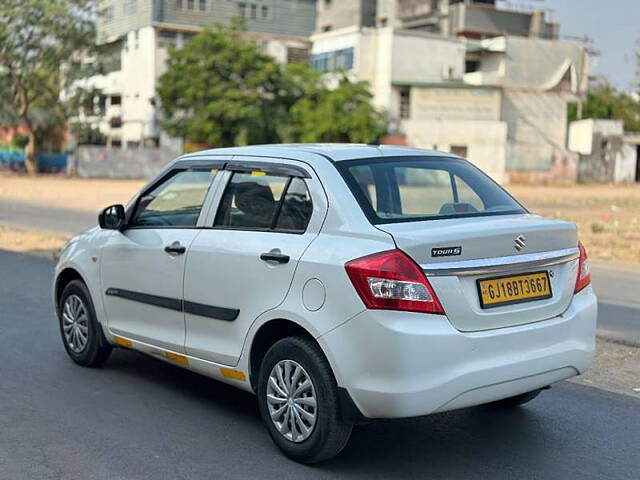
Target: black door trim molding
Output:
[(210, 311)]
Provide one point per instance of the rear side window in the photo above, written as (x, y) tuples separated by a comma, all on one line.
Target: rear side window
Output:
[(175, 202), (255, 201), (296, 207), (400, 189)]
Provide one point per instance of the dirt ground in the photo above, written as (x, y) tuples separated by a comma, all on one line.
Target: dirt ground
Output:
[(608, 216), (23, 241), (616, 368), (72, 193)]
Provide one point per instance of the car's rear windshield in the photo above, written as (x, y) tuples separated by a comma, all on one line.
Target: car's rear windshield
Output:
[(404, 189)]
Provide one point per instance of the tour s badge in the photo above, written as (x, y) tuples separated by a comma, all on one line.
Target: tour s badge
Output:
[(446, 251)]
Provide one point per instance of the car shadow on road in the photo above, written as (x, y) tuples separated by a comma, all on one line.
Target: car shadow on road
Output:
[(466, 442)]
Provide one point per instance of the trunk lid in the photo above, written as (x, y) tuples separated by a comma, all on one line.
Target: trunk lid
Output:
[(456, 253)]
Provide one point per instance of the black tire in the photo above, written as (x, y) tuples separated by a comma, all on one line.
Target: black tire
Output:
[(330, 433), (517, 400), (97, 349)]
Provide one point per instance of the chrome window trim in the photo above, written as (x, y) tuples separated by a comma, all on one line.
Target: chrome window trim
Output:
[(483, 266)]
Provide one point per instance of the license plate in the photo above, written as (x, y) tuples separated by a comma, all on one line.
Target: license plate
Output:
[(499, 291)]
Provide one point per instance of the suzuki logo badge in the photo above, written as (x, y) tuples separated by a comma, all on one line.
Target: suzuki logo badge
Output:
[(520, 242)]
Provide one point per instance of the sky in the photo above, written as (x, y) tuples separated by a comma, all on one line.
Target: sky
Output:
[(614, 26)]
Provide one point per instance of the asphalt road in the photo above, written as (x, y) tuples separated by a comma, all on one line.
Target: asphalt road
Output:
[(618, 290), (55, 220), (139, 418)]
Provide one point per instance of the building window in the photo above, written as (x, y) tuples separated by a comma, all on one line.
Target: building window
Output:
[(297, 54), (250, 11), (102, 105), (116, 100), (115, 122), (405, 102), (203, 5), (178, 4), (106, 15), (187, 37), (242, 10), (129, 7), (336, 60), (471, 66), (167, 38), (459, 150), (191, 4)]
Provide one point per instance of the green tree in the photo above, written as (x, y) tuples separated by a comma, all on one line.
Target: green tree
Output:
[(637, 84), (37, 37), (86, 134), (605, 102), (221, 90), (343, 113)]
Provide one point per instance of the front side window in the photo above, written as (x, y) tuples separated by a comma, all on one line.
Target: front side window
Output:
[(258, 201), (176, 202), (408, 189)]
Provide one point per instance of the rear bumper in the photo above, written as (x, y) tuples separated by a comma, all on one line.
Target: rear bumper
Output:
[(402, 364)]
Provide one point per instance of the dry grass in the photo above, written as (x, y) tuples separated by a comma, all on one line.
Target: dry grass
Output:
[(616, 368), (70, 193), (608, 216), (16, 240)]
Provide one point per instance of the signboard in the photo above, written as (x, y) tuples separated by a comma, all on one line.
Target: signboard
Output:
[(455, 104), (408, 9)]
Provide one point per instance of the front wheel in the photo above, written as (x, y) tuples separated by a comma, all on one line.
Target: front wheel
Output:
[(81, 333), (299, 403)]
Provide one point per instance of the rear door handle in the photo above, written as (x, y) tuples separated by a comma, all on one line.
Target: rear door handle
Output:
[(175, 249), (274, 257)]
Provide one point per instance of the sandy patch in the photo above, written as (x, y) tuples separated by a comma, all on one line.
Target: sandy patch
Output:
[(32, 242), (616, 368)]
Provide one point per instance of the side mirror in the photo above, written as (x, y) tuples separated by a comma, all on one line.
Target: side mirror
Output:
[(112, 218)]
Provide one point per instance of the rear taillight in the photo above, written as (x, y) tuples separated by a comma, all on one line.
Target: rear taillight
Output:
[(584, 274), (392, 281)]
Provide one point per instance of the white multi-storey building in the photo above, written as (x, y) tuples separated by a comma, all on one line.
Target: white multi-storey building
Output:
[(134, 38)]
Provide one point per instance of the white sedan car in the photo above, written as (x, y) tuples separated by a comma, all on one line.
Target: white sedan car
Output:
[(339, 283)]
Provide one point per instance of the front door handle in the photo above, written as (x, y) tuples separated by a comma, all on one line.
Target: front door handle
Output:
[(175, 249), (274, 257)]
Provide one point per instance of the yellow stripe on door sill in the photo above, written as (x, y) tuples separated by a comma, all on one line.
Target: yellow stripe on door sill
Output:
[(177, 358), (233, 374), (123, 342)]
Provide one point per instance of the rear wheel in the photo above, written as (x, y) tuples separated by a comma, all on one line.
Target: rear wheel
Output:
[(299, 403), (81, 333), (517, 400)]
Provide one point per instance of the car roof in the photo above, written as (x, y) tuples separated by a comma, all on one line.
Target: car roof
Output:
[(334, 152)]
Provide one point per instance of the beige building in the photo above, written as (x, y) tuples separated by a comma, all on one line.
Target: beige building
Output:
[(451, 79), (606, 152)]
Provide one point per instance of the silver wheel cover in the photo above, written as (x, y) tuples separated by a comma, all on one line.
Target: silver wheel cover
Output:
[(291, 398), (75, 323)]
